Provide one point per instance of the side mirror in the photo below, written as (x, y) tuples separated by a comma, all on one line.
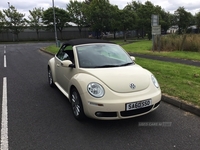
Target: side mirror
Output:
[(67, 63), (133, 58)]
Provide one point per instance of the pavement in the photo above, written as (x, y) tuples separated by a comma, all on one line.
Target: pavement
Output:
[(179, 103)]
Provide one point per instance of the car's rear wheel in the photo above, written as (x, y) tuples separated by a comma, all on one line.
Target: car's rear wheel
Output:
[(77, 106), (50, 78)]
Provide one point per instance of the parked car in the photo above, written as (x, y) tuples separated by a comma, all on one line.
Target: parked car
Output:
[(102, 81)]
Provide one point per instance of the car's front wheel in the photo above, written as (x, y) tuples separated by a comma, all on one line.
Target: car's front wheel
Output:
[(50, 78), (77, 106)]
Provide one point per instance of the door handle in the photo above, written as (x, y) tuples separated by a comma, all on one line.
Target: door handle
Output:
[(57, 65)]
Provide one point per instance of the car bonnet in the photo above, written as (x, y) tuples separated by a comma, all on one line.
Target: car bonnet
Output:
[(122, 79)]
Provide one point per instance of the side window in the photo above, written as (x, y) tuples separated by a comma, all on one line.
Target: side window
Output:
[(60, 53), (63, 52)]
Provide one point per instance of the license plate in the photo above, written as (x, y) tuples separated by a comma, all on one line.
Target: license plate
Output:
[(138, 105)]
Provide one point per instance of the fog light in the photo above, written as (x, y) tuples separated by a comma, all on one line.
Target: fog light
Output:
[(98, 114)]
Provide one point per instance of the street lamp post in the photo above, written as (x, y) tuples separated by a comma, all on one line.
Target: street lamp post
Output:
[(54, 18)]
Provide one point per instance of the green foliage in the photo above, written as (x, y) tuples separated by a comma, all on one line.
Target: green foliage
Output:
[(128, 19), (183, 19), (98, 15), (197, 21), (15, 20), (2, 21), (61, 16), (35, 19), (75, 10), (143, 13), (115, 21), (101, 16)]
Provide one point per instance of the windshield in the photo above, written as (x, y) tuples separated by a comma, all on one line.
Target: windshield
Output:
[(102, 56)]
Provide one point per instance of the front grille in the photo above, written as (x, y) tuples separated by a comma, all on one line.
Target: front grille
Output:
[(135, 112)]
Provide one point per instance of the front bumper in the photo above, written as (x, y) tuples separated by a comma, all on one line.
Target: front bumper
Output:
[(112, 108)]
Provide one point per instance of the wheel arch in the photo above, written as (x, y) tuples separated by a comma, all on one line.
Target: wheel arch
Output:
[(80, 82), (51, 66)]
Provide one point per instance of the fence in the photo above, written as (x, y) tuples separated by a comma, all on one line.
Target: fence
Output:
[(31, 35)]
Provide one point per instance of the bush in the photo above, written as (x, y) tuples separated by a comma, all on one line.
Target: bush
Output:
[(185, 42)]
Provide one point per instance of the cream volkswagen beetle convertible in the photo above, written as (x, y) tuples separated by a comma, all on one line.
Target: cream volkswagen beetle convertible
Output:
[(102, 81)]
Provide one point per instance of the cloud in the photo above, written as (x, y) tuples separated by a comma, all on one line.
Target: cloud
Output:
[(23, 6), (121, 3)]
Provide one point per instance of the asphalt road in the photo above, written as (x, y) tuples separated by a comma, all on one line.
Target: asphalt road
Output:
[(40, 117)]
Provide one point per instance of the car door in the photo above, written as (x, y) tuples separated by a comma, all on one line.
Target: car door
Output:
[(64, 74)]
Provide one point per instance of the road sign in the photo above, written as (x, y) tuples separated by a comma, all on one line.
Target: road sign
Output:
[(156, 30), (154, 20)]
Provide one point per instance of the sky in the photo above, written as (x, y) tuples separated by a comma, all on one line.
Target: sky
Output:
[(23, 6)]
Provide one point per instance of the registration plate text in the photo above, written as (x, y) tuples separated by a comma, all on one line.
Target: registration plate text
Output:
[(138, 105)]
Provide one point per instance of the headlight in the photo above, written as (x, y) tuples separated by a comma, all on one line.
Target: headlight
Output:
[(155, 82), (95, 90)]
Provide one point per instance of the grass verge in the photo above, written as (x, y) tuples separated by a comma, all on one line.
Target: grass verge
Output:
[(181, 81), (145, 47), (52, 49)]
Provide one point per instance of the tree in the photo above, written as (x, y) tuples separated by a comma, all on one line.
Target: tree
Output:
[(98, 15), (2, 21), (61, 16), (197, 20), (183, 19), (115, 20), (15, 21), (75, 10), (35, 19), (135, 7), (144, 13), (128, 20)]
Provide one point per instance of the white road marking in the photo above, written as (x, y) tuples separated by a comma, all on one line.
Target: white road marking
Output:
[(4, 49), (5, 56), (4, 118), (5, 61)]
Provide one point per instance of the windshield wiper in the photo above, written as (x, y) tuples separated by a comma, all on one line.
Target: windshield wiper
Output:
[(109, 66), (126, 64), (106, 66)]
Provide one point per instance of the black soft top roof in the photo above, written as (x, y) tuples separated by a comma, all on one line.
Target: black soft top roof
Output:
[(84, 41)]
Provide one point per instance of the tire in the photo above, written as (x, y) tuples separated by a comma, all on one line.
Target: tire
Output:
[(50, 78), (77, 106)]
